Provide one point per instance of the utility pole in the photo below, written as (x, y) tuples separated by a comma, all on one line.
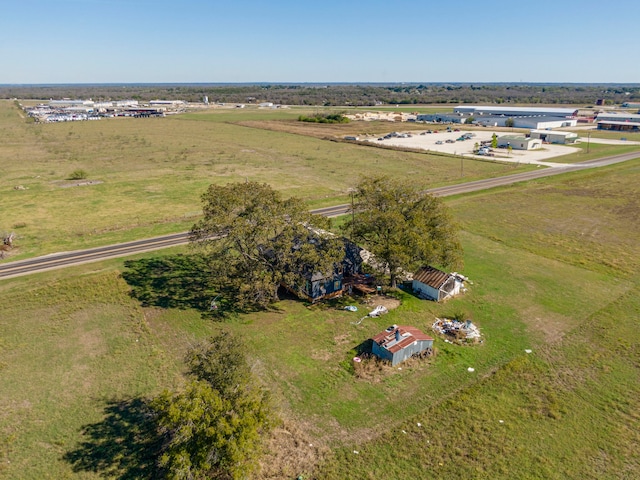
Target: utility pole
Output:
[(588, 141)]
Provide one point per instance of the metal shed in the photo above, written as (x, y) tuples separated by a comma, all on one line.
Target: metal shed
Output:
[(434, 284), (399, 343)]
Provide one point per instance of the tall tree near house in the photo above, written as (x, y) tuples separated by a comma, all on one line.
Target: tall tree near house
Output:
[(403, 227), (212, 428), (256, 241), (221, 362), (208, 435)]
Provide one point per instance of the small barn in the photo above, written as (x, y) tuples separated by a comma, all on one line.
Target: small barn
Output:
[(434, 284), (398, 343)]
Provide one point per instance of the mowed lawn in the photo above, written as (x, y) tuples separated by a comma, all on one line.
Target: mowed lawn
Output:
[(145, 176), (554, 270)]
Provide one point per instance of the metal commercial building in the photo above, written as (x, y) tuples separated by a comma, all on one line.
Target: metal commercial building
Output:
[(518, 142), (538, 118), (555, 136), (623, 122), (66, 103), (515, 111)]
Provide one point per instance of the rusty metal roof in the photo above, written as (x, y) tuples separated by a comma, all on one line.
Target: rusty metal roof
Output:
[(408, 335), (431, 276)]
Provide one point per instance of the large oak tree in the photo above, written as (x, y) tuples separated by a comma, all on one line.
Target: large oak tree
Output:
[(402, 226), (256, 240)]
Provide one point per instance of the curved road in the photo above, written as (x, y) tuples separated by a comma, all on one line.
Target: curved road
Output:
[(66, 259)]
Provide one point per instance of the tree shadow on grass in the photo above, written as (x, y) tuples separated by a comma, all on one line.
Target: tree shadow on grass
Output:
[(178, 281), (125, 445), (184, 281)]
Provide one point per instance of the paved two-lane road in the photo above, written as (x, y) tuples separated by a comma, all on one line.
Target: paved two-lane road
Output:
[(66, 259)]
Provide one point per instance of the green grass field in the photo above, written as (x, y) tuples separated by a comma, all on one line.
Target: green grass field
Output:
[(149, 173), (554, 267)]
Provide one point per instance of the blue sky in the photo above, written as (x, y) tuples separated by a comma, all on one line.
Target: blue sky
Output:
[(126, 41)]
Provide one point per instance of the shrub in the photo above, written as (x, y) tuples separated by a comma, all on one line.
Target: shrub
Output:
[(78, 175)]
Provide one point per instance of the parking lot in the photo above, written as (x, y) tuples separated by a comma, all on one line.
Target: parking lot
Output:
[(446, 142)]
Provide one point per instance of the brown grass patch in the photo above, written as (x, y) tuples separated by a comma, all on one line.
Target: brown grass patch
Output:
[(384, 300), (291, 451), (552, 327)]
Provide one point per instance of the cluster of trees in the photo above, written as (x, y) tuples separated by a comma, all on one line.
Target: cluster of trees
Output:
[(212, 428), (403, 227), (339, 95), (255, 241), (324, 118)]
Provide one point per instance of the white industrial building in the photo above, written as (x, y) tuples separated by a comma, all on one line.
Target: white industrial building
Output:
[(167, 103), (538, 118), (519, 142), (66, 103), (562, 138), (515, 111)]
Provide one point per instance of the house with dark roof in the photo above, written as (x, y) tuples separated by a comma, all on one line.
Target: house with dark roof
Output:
[(398, 343), (316, 286), (434, 284)]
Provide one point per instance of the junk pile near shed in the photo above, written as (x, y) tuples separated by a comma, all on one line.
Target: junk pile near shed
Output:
[(457, 331)]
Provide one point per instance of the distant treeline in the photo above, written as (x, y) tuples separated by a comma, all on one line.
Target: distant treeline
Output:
[(338, 94)]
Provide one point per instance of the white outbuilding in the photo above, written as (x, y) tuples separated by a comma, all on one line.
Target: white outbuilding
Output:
[(549, 136), (434, 284), (519, 142)]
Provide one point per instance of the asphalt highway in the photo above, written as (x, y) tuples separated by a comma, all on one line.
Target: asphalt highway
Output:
[(66, 259)]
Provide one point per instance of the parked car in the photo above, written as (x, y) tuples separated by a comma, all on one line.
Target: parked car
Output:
[(439, 142)]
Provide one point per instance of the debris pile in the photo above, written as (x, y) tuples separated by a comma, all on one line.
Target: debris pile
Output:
[(376, 312), (457, 331), (379, 310)]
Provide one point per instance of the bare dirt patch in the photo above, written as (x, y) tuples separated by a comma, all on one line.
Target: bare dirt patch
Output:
[(383, 300), (76, 183)]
